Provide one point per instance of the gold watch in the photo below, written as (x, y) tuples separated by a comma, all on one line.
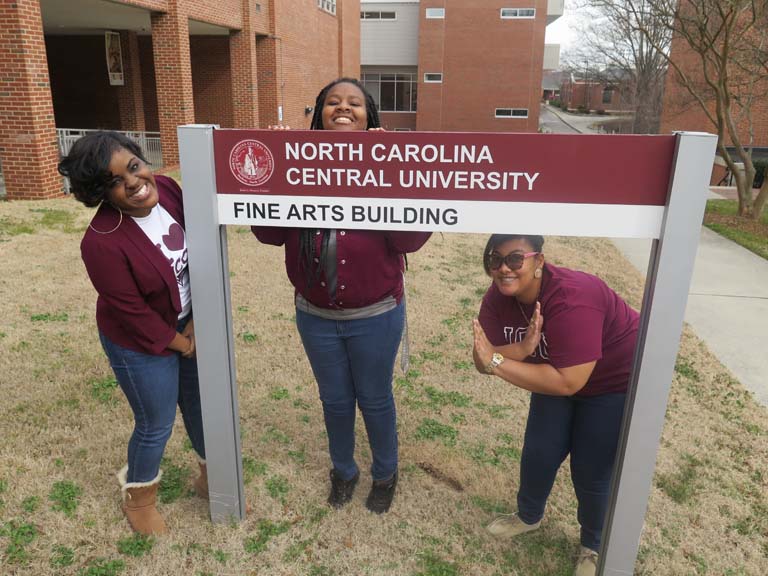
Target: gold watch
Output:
[(496, 361)]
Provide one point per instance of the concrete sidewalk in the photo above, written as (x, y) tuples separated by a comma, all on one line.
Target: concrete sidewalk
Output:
[(727, 304), (728, 300)]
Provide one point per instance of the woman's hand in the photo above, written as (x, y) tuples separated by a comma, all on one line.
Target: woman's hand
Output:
[(483, 350), (533, 334), (379, 129), (189, 332), (278, 127)]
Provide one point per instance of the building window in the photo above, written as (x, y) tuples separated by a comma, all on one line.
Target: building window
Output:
[(433, 77), (392, 92), (376, 15), (510, 13), (327, 6), (511, 112), (435, 13), (607, 95)]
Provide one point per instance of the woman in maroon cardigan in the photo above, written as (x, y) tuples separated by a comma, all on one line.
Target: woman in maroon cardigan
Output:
[(136, 256), (350, 314)]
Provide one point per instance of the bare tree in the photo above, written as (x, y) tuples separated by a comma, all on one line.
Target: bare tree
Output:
[(719, 58), (615, 51)]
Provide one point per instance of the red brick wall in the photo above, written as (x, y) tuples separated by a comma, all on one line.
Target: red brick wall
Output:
[(681, 112), (348, 13), (487, 63), (393, 120), (574, 96), (28, 147), (211, 80), (148, 88)]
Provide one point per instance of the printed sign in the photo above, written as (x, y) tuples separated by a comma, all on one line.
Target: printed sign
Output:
[(461, 182), (114, 58)]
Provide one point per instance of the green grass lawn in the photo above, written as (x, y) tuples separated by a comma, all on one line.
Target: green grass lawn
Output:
[(721, 217)]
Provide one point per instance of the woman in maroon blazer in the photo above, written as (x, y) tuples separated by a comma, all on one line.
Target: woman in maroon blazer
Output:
[(136, 256)]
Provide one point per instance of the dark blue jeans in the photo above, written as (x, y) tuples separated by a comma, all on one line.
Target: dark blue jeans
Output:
[(587, 428), (353, 361), (154, 385)]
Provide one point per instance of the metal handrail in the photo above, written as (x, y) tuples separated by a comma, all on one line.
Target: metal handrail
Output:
[(148, 141)]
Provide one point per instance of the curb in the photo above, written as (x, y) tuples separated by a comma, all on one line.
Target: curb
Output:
[(563, 120)]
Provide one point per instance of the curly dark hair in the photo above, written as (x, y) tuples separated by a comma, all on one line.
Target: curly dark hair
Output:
[(87, 164), (370, 104), (496, 240), (307, 235)]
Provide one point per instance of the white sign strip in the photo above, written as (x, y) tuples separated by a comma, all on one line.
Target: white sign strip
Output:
[(596, 220)]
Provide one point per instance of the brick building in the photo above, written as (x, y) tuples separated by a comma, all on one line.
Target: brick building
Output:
[(456, 65), (605, 91), (243, 63), (680, 111)]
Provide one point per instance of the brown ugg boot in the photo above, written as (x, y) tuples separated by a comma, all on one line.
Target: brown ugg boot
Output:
[(201, 482), (139, 500)]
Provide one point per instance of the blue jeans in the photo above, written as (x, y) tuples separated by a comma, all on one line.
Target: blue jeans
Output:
[(587, 428), (153, 386), (353, 361)]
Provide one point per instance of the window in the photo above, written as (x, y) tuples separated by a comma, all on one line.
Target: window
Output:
[(607, 95), (376, 15), (435, 13), (433, 77), (511, 112), (392, 92), (509, 13), (327, 6)]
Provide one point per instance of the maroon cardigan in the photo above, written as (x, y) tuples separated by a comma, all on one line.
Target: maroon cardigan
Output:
[(139, 302), (369, 264)]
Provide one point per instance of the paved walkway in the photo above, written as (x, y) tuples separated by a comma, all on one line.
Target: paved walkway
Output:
[(728, 300)]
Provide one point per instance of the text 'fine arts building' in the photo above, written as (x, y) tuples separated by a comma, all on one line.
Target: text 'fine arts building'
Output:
[(457, 65)]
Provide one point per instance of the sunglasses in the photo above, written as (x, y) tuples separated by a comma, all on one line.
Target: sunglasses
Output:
[(513, 260)]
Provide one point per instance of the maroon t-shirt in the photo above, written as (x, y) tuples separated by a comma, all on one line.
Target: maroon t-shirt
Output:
[(584, 320)]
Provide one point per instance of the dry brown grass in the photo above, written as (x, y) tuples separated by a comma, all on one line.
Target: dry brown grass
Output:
[(708, 512)]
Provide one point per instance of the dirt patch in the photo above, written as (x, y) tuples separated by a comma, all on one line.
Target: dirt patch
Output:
[(748, 225)]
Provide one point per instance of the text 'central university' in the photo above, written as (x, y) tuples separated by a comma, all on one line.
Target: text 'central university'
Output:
[(410, 178)]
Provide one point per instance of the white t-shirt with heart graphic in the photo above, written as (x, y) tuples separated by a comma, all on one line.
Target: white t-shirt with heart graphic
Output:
[(165, 233)]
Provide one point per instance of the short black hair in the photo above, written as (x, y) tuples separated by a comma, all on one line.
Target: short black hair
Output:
[(370, 104), (536, 242), (87, 164)]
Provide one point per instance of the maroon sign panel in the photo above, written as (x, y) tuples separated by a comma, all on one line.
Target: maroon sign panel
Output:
[(599, 169)]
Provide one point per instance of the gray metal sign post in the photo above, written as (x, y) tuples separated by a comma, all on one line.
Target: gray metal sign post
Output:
[(666, 292)]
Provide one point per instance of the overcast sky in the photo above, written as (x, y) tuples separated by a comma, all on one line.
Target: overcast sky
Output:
[(562, 31)]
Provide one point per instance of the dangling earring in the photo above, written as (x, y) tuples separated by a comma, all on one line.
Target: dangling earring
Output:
[(113, 229), (537, 273)]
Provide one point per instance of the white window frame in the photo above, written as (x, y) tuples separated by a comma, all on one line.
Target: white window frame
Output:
[(373, 81), (517, 13), (426, 81), (435, 14), (378, 14), (511, 115), (328, 6)]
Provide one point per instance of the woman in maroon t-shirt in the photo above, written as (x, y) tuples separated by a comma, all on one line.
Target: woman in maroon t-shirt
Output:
[(569, 339)]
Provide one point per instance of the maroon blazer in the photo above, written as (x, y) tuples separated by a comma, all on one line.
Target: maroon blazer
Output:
[(138, 303)]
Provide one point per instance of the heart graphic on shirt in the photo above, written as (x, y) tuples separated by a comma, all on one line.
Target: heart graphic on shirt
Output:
[(174, 240)]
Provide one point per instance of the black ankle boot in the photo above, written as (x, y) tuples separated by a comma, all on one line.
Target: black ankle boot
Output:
[(341, 490), (380, 497)]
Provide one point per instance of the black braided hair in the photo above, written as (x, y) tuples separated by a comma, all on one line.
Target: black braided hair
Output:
[(370, 104), (307, 235)]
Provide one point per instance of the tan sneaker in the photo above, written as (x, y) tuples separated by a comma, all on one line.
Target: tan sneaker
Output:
[(586, 563), (509, 526)]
